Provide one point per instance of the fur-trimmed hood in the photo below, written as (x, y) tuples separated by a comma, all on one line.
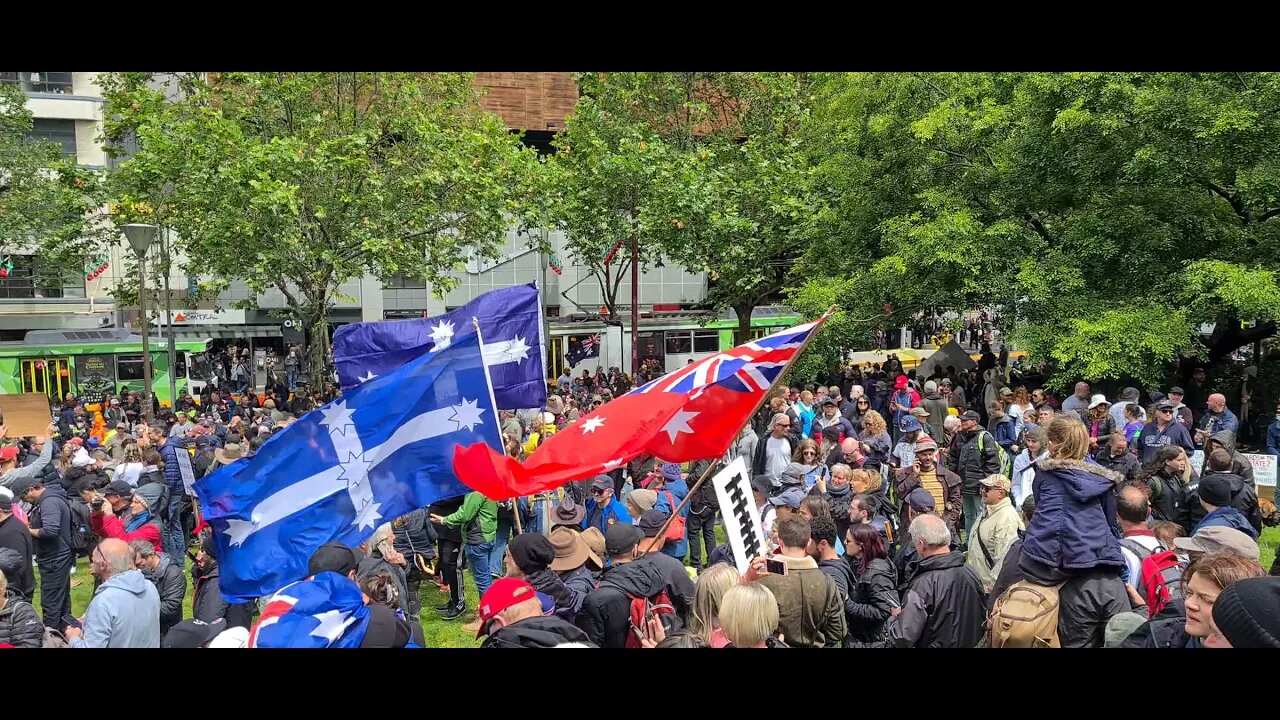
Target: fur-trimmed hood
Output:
[(1083, 480)]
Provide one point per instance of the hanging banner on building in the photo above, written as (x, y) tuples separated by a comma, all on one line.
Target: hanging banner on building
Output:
[(206, 317), (95, 376)]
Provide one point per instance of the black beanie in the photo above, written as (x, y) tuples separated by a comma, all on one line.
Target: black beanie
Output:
[(1248, 613), (531, 552), (1215, 490)]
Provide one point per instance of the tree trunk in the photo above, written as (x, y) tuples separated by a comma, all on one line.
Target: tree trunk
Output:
[(1226, 339), (318, 350), (742, 333)]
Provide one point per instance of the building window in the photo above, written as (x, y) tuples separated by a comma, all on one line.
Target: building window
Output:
[(32, 278), (678, 342), (54, 83), (62, 132), (401, 282)]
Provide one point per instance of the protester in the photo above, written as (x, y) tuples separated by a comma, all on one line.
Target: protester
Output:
[(603, 509), (511, 616), (55, 557), (18, 545), (20, 626), (1245, 616), (943, 605), (605, 616), (125, 609), (751, 617), (873, 591), (704, 618), (478, 517), (994, 532), (944, 486), (1204, 581), (167, 576), (812, 614), (530, 556), (979, 457)]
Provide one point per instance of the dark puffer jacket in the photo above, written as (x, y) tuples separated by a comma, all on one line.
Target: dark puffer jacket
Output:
[(1125, 463), (20, 625), (943, 606), (875, 594), (1075, 526), (1159, 633), (171, 583)]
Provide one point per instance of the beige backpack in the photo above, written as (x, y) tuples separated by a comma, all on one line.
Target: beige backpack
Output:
[(1025, 616)]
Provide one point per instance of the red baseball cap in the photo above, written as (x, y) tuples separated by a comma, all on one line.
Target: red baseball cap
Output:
[(76, 441), (502, 594), (8, 453)]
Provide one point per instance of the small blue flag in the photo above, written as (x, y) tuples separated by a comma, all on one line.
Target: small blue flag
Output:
[(379, 452), (326, 611), (510, 321)]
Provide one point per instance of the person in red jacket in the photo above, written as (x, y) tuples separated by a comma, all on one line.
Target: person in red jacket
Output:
[(134, 521)]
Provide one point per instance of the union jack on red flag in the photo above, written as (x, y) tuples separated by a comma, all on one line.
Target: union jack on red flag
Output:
[(692, 413)]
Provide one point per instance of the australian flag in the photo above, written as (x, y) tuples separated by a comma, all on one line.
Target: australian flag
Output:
[(582, 348), (510, 321), (325, 611), (379, 452)]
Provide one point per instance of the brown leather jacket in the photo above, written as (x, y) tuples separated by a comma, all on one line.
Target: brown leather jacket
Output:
[(907, 479)]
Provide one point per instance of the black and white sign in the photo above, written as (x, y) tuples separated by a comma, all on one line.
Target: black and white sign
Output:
[(742, 524)]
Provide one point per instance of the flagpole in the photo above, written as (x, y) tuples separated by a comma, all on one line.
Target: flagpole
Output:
[(662, 532)]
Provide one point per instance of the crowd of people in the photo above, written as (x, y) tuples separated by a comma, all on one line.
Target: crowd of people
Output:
[(895, 512)]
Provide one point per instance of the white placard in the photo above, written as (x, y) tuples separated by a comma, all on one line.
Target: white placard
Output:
[(1197, 461), (1264, 469), (742, 524)]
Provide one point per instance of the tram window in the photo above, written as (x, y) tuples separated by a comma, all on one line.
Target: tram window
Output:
[(678, 342), (180, 363), (706, 341), (129, 367)]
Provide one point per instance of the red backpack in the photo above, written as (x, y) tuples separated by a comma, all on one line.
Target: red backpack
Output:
[(644, 609), (1161, 581)]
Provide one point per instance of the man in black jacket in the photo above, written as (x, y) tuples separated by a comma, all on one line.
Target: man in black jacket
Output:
[(14, 536), (944, 605), (168, 578), (511, 616), (51, 528), (979, 458), (606, 613)]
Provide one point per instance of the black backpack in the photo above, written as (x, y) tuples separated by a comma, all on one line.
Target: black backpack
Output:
[(82, 535)]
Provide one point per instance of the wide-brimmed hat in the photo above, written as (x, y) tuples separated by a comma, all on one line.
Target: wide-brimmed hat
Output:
[(1098, 400), (555, 405), (571, 550), (568, 512), (594, 540), (229, 454)]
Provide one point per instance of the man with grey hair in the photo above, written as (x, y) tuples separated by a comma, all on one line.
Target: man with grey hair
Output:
[(943, 605), (168, 578), (774, 454), (125, 609)]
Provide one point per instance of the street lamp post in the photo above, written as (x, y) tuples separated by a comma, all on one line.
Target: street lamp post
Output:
[(168, 321), (140, 238)]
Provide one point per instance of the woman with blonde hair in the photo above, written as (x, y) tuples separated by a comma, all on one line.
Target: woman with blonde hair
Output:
[(874, 437), (749, 616), (1075, 532), (704, 621), (130, 469)]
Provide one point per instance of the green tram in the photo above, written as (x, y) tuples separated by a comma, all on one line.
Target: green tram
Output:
[(671, 339), (89, 363)]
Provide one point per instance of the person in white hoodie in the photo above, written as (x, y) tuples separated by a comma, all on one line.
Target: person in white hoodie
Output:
[(131, 468), (1024, 471)]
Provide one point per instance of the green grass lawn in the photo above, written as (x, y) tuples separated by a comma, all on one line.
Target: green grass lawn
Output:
[(449, 633)]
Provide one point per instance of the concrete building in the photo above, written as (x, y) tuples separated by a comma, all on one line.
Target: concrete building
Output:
[(68, 110)]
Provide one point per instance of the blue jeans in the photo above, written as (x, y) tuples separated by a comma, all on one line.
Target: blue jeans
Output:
[(496, 565), (478, 559), (293, 378), (174, 540)]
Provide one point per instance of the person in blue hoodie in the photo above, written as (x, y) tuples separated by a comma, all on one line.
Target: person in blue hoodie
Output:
[(1073, 540), (1004, 428), (125, 609), (603, 509), (672, 489), (1214, 492)]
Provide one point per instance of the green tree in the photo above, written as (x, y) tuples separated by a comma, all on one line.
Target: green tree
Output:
[(1108, 215), (44, 198), (302, 181)]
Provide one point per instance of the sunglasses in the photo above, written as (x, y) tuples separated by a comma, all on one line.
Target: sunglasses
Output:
[(809, 452), (598, 491)]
